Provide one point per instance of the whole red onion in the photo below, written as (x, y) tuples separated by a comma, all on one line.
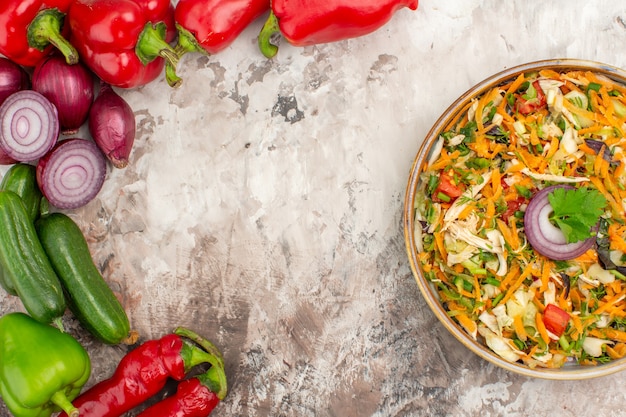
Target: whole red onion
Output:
[(69, 87), (112, 125), (12, 78)]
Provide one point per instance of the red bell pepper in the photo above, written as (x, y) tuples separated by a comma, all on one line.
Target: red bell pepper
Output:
[(125, 42), (308, 22), (194, 397), (31, 29), (144, 371), (211, 32)]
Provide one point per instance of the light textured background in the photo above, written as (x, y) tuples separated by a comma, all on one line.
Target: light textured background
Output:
[(263, 208)]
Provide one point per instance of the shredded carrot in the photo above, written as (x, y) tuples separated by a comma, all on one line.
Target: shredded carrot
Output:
[(541, 328), (527, 271), (518, 325)]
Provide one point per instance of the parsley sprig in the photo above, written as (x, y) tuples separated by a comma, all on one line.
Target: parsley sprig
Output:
[(576, 211)]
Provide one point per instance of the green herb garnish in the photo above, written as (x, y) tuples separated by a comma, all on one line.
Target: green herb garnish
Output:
[(576, 211)]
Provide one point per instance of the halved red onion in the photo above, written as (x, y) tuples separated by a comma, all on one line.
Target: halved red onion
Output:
[(545, 237), (29, 126), (69, 87), (6, 159), (72, 174)]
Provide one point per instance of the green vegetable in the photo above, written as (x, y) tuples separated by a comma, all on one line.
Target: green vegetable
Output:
[(24, 264), (87, 294), (22, 180), (41, 368), (576, 211)]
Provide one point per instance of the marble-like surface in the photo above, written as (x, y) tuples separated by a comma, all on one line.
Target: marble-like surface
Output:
[(263, 208)]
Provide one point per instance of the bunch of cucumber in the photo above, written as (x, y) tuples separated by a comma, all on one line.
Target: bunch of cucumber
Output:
[(46, 262)]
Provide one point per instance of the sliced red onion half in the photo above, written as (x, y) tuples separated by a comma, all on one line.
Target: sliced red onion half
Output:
[(72, 174), (29, 126), (545, 237)]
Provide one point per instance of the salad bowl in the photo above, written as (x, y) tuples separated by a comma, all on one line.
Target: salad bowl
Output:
[(503, 272)]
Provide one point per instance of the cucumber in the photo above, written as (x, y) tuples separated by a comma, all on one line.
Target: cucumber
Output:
[(22, 180), (88, 295), (24, 263)]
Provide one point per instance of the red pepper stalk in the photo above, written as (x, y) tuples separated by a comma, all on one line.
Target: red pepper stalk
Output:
[(307, 22), (212, 32), (32, 29), (195, 397), (144, 371), (125, 42)]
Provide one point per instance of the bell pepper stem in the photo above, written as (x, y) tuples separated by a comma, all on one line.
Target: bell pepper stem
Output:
[(187, 42), (45, 29), (60, 399), (269, 30), (151, 44)]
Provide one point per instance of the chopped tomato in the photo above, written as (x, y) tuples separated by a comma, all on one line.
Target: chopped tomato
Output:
[(513, 206), (527, 106), (446, 190), (555, 319)]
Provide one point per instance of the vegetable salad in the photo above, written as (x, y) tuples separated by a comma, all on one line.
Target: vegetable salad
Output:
[(553, 293)]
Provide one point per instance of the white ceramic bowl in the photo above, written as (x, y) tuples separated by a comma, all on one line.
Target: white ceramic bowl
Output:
[(569, 371)]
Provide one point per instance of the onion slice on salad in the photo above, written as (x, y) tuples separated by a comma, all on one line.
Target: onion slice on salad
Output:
[(29, 125), (72, 174), (545, 237)]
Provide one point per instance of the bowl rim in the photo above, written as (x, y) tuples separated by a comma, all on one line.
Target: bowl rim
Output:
[(575, 372)]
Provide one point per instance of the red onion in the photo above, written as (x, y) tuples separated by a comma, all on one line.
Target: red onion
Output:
[(112, 126), (13, 78), (6, 159), (69, 87), (546, 238), (29, 126), (72, 174)]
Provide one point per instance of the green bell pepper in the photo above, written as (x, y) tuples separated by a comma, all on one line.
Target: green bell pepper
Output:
[(41, 368)]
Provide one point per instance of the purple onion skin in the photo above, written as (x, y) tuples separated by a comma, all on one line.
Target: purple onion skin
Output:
[(6, 159), (112, 126), (69, 87), (13, 78)]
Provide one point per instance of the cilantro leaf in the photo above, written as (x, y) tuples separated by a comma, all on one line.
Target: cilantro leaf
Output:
[(576, 211)]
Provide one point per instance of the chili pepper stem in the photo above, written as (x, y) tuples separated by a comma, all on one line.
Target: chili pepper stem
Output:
[(215, 380), (45, 29), (209, 347), (60, 399), (268, 32)]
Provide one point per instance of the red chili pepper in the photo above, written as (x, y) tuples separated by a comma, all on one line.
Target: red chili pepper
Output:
[(125, 42), (194, 397), (306, 22), (31, 29), (211, 32), (143, 372)]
